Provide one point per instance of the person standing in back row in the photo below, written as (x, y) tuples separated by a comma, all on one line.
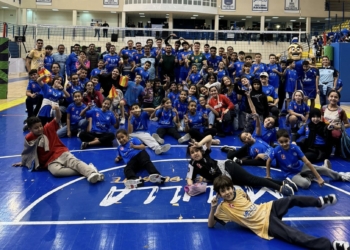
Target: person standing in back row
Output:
[(105, 30)]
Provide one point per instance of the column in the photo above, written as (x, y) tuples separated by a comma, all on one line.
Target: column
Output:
[(170, 21), (308, 25), (24, 16), (123, 19), (74, 18), (262, 23), (216, 22)]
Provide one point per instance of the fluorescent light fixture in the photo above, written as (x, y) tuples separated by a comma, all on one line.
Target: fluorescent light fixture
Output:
[(292, 20), (221, 16), (142, 16), (268, 20), (54, 9), (167, 14), (4, 7), (301, 17), (328, 18), (243, 19), (141, 13), (113, 12), (85, 11), (275, 17), (193, 17), (248, 16)]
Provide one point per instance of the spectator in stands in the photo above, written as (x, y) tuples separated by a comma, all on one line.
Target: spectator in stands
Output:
[(105, 30), (61, 58), (97, 29), (36, 56), (71, 60)]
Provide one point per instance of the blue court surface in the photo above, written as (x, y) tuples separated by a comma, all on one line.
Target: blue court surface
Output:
[(39, 211)]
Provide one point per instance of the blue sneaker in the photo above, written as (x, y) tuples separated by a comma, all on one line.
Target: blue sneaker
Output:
[(291, 184), (286, 190)]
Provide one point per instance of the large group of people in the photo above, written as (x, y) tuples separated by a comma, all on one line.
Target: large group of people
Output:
[(195, 96)]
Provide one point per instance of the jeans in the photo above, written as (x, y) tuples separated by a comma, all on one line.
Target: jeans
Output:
[(97, 32), (81, 125), (323, 97)]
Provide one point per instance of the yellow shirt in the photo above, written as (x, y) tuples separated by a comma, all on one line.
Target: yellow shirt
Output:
[(247, 214), (37, 57)]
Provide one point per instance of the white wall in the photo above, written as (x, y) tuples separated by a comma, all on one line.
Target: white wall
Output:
[(8, 16), (85, 18), (49, 17)]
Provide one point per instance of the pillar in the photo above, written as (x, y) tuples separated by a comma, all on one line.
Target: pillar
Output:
[(123, 19), (308, 25), (262, 23), (170, 21), (24, 16), (74, 18), (216, 22)]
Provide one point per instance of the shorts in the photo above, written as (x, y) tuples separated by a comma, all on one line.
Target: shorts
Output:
[(289, 95), (310, 93)]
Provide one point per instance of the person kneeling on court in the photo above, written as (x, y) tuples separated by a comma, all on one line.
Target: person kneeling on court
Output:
[(265, 219), (44, 150), (133, 152)]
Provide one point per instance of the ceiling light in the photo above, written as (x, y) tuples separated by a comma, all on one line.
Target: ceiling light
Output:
[(167, 14), (243, 19), (142, 16), (141, 13), (301, 17), (221, 16), (267, 20), (193, 17), (113, 12), (275, 17), (248, 16), (54, 9), (328, 18), (85, 11), (4, 7)]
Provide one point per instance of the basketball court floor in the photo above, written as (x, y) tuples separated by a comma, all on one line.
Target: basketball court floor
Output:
[(39, 211)]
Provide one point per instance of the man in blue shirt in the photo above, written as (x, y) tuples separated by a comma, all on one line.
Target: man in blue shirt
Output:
[(128, 50), (71, 60), (33, 93), (213, 60), (61, 59), (111, 60), (274, 70), (149, 57)]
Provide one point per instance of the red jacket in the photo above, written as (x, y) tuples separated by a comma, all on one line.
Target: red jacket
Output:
[(221, 103)]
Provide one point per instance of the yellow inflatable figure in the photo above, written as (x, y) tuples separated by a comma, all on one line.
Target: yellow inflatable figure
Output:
[(295, 51)]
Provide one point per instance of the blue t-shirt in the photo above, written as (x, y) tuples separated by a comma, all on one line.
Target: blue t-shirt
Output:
[(112, 62), (97, 86), (192, 98), (309, 79), (95, 72), (165, 118), (129, 52), (260, 147), (203, 109), (291, 80), (274, 78), (126, 152), (249, 77), (83, 82), (221, 74), (289, 160), (299, 68), (34, 87), (173, 96), (262, 68), (140, 123), (238, 66), (214, 62), (304, 130), (267, 135), (71, 90), (185, 54), (48, 61), (137, 57), (144, 75), (53, 95), (269, 91), (133, 92), (339, 84), (181, 108), (196, 121), (74, 111), (101, 121), (299, 108), (195, 78)]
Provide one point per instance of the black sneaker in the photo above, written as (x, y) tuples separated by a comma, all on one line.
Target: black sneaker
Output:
[(84, 145), (286, 190), (238, 161), (327, 200), (226, 148), (291, 184), (340, 245)]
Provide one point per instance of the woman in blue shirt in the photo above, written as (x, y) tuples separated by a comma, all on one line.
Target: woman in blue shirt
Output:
[(298, 111), (101, 121)]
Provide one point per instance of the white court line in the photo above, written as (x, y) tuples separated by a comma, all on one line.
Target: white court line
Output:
[(159, 221), (101, 149), (27, 209)]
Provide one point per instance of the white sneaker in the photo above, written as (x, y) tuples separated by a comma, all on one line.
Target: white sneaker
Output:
[(180, 129), (345, 177), (93, 178), (154, 119), (122, 120), (340, 245), (132, 184), (327, 164), (157, 138), (215, 142), (156, 178), (184, 138), (165, 148)]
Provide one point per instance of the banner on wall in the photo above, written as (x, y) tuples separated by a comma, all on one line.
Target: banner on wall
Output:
[(110, 3), (260, 5), (228, 5), (291, 5), (43, 2)]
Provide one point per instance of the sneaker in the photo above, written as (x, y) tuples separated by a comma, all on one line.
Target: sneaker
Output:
[(291, 184), (84, 145), (165, 148), (156, 178), (327, 200), (132, 184), (238, 161), (93, 178), (25, 127), (79, 131), (287, 190), (158, 151), (345, 177), (154, 119), (227, 148), (122, 121), (340, 245), (180, 129), (327, 164), (184, 138), (157, 138), (215, 142)]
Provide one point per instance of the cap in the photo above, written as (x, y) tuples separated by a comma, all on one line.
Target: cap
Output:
[(264, 74)]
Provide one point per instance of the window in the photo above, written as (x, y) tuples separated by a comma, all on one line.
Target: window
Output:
[(206, 3), (197, 2), (213, 3), (177, 1)]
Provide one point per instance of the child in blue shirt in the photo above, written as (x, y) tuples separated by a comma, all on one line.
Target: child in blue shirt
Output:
[(181, 105), (75, 123), (138, 128), (167, 117), (174, 93), (298, 111), (100, 67), (294, 164), (73, 86), (133, 152), (291, 78), (221, 71), (194, 77), (34, 95), (274, 70)]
